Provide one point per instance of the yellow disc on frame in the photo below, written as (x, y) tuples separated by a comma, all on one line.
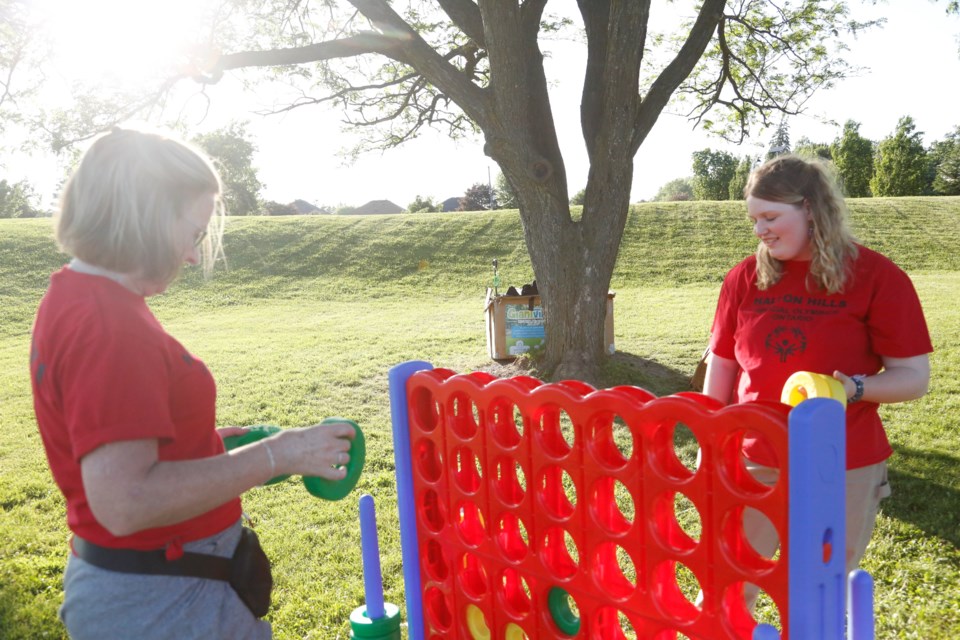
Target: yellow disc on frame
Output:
[(477, 624), (806, 384)]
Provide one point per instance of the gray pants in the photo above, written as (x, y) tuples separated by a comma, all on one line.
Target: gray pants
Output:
[(102, 604)]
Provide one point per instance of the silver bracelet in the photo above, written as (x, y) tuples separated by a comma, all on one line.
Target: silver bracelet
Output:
[(273, 464)]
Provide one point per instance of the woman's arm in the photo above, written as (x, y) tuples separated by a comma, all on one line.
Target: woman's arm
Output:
[(720, 378), (900, 380), (129, 489)]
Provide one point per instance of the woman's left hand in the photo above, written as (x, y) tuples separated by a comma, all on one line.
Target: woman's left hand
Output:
[(849, 386)]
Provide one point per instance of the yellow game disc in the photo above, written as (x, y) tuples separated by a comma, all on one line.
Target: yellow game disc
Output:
[(806, 384)]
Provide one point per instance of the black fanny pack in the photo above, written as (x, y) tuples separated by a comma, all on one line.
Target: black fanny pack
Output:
[(248, 571)]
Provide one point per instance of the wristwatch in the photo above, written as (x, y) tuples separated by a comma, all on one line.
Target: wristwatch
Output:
[(858, 394)]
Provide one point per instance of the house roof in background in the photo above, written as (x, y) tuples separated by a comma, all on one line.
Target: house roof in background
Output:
[(377, 207)]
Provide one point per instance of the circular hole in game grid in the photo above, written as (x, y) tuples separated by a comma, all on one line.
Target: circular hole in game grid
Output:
[(472, 576), (675, 590), (733, 466), (559, 553), (611, 441), (515, 593), (438, 611), (434, 564), (507, 423), (614, 571), (514, 631), (510, 483), (674, 451), (428, 460), (614, 624), (737, 526), (557, 493), (426, 413), (511, 537), (555, 432), (470, 523), (736, 615), (667, 527), (465, 418), (431, 511), (612, 505), (466, 469)]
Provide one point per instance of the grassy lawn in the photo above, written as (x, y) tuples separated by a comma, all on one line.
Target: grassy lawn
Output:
[(313, 311)]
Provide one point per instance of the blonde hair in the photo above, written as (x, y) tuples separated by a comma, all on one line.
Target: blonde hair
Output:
[(119, 209), (792, 180)]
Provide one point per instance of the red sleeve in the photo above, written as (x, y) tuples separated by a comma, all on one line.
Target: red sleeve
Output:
[(895, 319), (114, 387), (723, 331)]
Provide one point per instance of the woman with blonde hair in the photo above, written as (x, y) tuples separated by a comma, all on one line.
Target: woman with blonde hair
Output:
[(127, 414), (812, 299)]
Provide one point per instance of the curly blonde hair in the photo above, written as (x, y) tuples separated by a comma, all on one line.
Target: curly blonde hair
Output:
[(119, 208), (797, 181)]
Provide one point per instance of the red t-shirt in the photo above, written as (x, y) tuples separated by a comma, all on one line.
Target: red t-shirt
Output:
[(104, 370), (788, 328)]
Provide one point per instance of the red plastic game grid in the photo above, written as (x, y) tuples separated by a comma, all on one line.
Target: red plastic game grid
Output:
[(507, 512)]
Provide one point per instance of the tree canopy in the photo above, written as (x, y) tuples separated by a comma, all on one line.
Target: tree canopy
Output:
[(471, 67), (232, 152), (712, 173), (901, 163)]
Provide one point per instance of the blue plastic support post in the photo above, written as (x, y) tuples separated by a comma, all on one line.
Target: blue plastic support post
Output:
[(860, 605), (817, 519), (765, 632), (370, 554), (403, 459)]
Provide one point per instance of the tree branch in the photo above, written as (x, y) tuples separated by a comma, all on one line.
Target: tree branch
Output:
[(466, 15), (679, 69)]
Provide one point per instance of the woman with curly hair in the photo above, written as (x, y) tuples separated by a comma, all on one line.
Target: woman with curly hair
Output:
[(813, 299)]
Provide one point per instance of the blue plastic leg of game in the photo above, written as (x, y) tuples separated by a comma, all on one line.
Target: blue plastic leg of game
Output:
[(402, 454), (860, 605), (817, 521)]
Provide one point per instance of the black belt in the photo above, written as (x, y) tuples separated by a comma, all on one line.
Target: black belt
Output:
[(191, 565)]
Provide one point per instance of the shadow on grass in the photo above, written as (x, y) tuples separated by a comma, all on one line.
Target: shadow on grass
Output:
[(628, 369), (921, 495)]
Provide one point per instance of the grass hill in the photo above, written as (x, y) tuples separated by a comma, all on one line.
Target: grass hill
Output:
[(313, 310)]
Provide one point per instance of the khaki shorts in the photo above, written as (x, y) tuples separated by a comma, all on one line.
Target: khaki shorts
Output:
[(866, 487)]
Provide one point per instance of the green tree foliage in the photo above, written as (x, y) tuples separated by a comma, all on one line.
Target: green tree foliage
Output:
[(945, 155), (807, 148), (16, 200), (853, 157), (740, 176), (478, 198), (900, 166), (423, 205), (712, 172), (780, 142), (273, 208), (578, 198), (468, 67), (678, 190), (232, 151), (504, 194)]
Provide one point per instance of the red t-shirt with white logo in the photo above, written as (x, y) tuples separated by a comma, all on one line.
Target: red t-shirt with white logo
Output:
[(103, 370), (789, 327)]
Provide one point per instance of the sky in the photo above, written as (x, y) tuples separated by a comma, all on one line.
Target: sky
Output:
[(910, 67)]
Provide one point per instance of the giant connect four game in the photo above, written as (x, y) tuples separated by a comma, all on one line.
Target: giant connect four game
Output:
[(539, 511)]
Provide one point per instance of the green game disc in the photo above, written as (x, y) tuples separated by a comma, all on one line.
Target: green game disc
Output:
[(254, 433), (337, 489)]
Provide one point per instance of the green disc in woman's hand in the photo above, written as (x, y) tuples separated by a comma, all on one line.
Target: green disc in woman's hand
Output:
[(254, 433), (337, 489)]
